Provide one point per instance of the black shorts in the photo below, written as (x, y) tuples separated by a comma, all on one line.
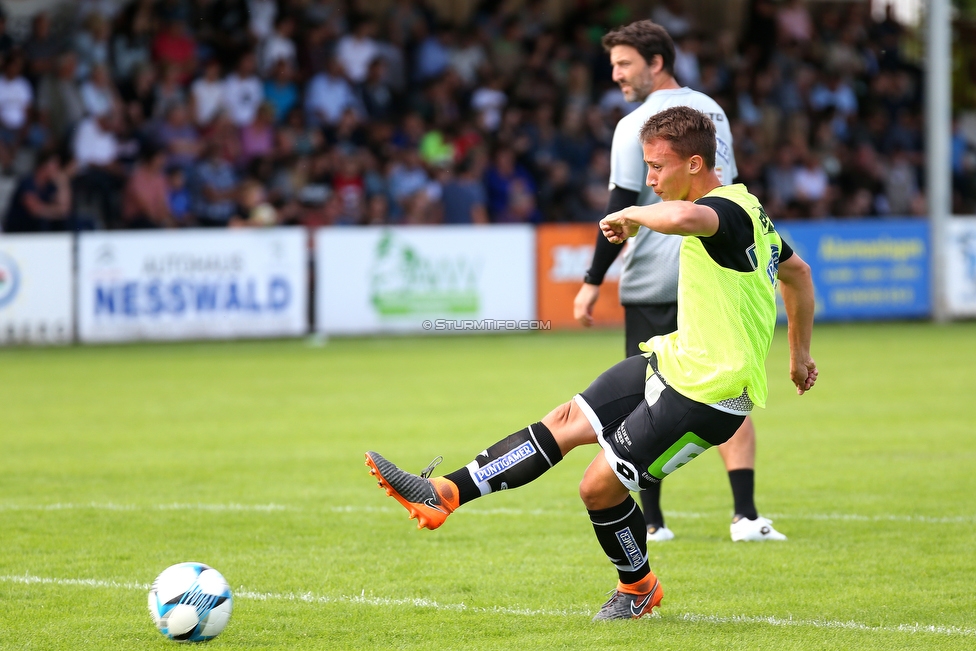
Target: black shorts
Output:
[(647, 429), (641, 322)]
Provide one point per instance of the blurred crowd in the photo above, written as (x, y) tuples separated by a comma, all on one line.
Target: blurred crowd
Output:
[(170, 113)]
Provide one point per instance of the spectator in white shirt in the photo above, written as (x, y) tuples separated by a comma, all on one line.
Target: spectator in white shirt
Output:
[(329, 94), (95, 144), (355, 51), (101, 176), (488, 101), (16, 98), (468, 58), (98, 93), (263, 15), (810, 180), (243, 92), (207, 94), (671, 15), (279, 46)]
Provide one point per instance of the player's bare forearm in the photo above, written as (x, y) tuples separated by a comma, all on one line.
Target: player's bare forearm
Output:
[(796, 285), (669, 217)]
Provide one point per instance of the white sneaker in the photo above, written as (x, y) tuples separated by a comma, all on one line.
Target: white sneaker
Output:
[(754, 530), (660, 534)]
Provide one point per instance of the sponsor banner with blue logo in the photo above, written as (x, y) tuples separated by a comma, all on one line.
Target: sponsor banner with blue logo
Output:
[(437, 279), (876, 269), (961, 266), (36, 294), (192, 284)]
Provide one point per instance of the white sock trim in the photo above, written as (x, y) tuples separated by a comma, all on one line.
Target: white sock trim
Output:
[(473, 467)]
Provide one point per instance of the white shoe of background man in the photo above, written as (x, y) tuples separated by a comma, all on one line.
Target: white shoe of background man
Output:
[(759, 529), (659, 534)]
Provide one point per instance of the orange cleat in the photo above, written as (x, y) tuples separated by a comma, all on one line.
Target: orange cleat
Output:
[(430, 501), (632, 601)]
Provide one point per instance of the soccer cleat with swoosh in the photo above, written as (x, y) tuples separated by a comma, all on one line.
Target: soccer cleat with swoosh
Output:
[(625, 605), (428, 500)]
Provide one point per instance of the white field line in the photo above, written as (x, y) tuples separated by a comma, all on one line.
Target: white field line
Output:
[(362, 599), (827, 623), (111, 506), (273, 508)]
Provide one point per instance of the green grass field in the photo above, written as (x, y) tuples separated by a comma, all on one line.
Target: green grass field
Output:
[(119, 461)]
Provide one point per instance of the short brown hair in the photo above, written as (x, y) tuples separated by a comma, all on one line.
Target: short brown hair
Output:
[(689, 132), (648, 38)]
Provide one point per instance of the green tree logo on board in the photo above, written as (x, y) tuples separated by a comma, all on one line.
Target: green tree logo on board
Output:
[(404, 282)]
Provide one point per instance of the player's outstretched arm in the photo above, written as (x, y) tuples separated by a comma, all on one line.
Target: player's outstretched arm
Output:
[(669, 217), (796, 285)]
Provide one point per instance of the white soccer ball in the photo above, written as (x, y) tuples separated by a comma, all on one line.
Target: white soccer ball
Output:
[(190, 602)]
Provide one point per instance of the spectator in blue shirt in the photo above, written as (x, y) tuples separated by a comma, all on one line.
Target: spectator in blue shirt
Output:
[(510, 189), (463, 196), (215, 188), (432, 56), (178, 196), (281, 91), (42, 200)]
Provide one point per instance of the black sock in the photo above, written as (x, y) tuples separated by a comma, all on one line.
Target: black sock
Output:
[(620, 530), (743, 492), (651, 503), (512, 462)]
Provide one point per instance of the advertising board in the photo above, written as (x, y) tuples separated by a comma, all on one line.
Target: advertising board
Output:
[(435, 279), (192, 284)]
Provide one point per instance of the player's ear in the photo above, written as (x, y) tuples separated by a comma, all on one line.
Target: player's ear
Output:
[(656, 64), (696, 164)]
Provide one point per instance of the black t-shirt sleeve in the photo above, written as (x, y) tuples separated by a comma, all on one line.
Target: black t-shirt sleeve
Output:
[(730, 245), (787, 251)]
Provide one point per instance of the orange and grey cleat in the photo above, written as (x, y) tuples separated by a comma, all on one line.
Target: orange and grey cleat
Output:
[(428, 500), (632, 601)]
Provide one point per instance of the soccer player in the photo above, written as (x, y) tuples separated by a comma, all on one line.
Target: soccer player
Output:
[(642, 55), (690, 390)]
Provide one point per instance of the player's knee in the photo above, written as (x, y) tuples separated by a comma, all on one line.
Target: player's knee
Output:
[(596, 494), (591, 495)]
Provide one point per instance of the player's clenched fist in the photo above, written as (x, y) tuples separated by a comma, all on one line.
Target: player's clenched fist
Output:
[(617, 227)]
